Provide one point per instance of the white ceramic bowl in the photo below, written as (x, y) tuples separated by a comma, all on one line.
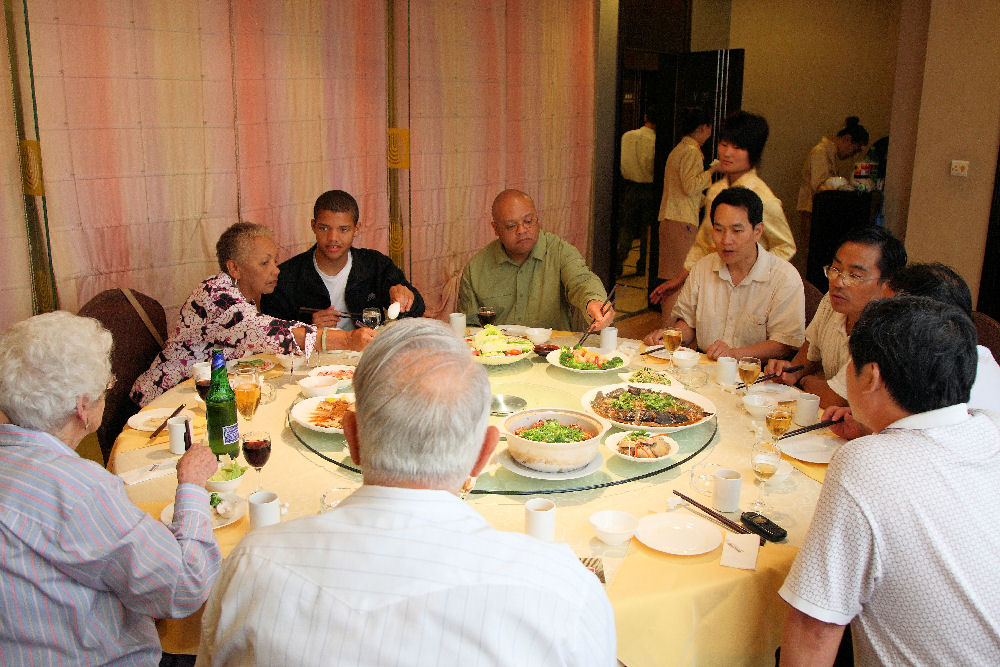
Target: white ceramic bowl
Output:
[(537, 335), (228, 486), (612, 526), (321, 385), (758, 404), (291, 361), (553, 456), (685, 357)]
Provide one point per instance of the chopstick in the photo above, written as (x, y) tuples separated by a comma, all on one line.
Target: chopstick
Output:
[(771, 376), (604, 311), (164, 424), (726, 521), (353, 316), (653, 349), (814, 427)]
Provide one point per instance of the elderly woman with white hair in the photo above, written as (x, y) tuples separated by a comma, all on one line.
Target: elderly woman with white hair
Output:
[(83, 571), (224, 311)]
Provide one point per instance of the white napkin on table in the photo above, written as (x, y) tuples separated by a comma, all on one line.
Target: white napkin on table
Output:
[(146, 473), (740, 550)]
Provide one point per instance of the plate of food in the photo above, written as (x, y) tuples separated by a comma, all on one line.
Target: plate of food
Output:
[(492, 347), (646, 375), (813, 447), (335, 371), (678, 534), (586, 360), (323, 414), (259, 364), (650, 407), (642, 446), (226, 508), (150, 420)]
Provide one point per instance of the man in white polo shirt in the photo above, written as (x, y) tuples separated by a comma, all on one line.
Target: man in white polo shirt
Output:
[(903, 543), (741, 300)]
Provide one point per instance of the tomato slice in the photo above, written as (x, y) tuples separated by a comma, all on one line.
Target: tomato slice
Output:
[(512, 353)]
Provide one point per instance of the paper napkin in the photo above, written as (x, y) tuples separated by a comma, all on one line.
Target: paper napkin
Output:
[(149, 472), (740, 551)]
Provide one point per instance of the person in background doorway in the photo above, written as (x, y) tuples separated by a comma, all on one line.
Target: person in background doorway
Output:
[(638, 209)]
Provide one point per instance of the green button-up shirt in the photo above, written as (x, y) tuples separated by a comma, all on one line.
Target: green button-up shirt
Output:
[(542, 292)]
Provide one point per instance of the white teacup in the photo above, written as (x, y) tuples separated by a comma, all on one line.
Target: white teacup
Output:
[(265, 509), (540, 519)]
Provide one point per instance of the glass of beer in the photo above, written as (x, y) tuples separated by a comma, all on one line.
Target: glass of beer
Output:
[(778, 419), (246, 386), (764, 459), (671, 339), (749, 369)]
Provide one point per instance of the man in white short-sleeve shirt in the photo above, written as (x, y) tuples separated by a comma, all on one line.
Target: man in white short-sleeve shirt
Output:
[(741, 300), (903, 542), (403, 571), (866, 259)]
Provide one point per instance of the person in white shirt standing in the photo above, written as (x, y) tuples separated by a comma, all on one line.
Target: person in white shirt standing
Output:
[(638, 209), (903, 542), (403, 571)]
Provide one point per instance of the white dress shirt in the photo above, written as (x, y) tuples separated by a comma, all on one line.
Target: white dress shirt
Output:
[(638, 147), (398, 576)]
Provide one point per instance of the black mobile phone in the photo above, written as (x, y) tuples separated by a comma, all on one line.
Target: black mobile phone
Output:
[(763, 526)]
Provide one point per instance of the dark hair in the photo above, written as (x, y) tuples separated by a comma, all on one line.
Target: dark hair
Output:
[(855, 130), (925, 350), (747, 131), (741, 197), (691, 118), (936, 281), (235, 242), (893, 254), (336, 201), (651, 114)]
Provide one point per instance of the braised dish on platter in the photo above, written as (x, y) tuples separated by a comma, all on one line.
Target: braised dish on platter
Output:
[(649, 406)]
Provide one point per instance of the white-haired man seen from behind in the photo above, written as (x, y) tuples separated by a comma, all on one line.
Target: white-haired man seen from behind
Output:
[(403, 571)]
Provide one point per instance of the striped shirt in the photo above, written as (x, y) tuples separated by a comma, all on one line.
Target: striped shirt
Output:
[(83, 571), (398, 576)]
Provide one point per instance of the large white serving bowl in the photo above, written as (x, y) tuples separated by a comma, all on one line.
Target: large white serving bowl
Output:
[(538, 335), (553, 456)]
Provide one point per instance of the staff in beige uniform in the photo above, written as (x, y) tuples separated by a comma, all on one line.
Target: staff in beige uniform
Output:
[(684, 182)]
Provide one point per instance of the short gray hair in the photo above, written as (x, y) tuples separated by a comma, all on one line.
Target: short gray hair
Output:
[(422, 406), (46, 363), (235, 242)]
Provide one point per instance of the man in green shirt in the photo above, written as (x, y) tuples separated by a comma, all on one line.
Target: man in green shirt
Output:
[(528, 276)]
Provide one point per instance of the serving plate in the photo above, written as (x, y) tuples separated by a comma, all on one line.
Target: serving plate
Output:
[(612, 442), (149, 420), (507, 461), (302, 410), (779, 392), (261, 365), (813, 447), (332, 369), (238, 502), (703, 402), (553, 358), (678, 534)]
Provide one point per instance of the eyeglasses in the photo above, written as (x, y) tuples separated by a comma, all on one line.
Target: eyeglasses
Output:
[(527, 223), (846, 279)]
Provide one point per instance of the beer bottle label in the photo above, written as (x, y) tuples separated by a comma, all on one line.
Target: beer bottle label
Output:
[(230, 434)]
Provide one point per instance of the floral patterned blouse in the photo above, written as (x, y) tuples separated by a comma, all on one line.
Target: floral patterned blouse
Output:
[(216, 315)]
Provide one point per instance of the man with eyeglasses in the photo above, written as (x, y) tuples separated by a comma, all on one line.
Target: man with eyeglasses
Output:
[(866, 259), (530, 277)]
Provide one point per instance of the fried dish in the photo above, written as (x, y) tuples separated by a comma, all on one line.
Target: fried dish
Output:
[(330, 412)]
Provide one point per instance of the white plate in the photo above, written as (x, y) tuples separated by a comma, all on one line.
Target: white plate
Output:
[(814, 447), (625, 378), (779, 392), (302, 410), (706, 405), (502, 360), (264, 366), (678, 534), (663, 354), (508, 462), (331, 369), (239, 504), (149, 420), (553, 358), (612, 442), (513, 329)]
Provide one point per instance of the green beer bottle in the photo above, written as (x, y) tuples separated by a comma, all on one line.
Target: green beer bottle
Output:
[(220, 411)]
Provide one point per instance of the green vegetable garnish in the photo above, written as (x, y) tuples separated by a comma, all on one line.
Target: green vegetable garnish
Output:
[(553, 431), (228, 472), (645, 399), (214, 499)]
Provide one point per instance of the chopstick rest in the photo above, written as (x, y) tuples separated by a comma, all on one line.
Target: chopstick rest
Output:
[(740, 551)]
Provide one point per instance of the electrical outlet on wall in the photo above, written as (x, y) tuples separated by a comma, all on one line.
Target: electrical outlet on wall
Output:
[(960, 168)]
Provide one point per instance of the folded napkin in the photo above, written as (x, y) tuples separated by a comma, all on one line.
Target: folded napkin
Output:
[(146, 473), (816, 471), (740, 551)]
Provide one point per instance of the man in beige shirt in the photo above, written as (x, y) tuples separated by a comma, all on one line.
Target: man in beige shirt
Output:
[(741, 300), (864, 262)]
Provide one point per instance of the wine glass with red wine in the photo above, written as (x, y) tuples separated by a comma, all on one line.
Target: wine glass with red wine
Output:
[(487, 315), (256, 451)]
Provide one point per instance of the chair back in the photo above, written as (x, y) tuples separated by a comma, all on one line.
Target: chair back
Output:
[(988, 330), (133, 352), (813, 297)]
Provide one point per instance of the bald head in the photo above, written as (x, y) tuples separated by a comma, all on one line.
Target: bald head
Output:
[(515, 222)]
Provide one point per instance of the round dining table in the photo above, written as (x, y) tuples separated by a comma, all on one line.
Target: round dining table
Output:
[(669, 609)]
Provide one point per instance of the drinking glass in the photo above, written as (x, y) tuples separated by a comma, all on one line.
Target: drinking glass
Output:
[(764, 459), (256, 451), (487, 315), (778, 419), (749, 370), (246, 386), (371, 317)]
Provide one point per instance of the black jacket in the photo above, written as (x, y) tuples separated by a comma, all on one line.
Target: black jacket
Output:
[(299, 286)]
